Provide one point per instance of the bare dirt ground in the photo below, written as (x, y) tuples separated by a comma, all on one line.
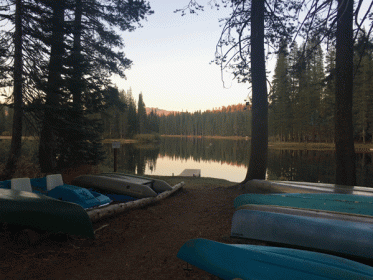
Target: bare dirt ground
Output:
[(139, 244)]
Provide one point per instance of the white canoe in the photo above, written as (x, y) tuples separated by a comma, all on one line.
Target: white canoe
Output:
[(350, 235)]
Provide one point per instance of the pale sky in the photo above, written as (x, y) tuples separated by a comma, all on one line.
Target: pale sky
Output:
[(171, 57)]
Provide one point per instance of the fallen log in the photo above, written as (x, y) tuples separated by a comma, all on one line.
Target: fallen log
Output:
[(106, 211)]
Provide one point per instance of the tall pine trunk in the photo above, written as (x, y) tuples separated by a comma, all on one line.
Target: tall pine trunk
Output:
[(344, 142), (48, 136), (15, 148), (76, 87), (259, 141)]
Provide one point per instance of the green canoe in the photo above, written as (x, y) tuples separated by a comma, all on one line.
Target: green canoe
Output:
[(40, 212)]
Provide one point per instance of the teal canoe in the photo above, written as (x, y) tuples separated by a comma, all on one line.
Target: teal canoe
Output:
[(344, 203), (229, 261), (37, 211)]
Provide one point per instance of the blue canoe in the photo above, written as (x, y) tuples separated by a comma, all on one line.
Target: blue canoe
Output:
[(229, 261), (344, 203), (348, 235), (53, 186)]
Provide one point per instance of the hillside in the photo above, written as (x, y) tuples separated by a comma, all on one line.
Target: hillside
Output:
[(230, 108)]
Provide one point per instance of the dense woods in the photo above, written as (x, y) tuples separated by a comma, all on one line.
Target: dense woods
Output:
[(301, 104), (59, 56)]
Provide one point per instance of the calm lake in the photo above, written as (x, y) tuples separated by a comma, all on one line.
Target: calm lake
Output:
[(228, 159)]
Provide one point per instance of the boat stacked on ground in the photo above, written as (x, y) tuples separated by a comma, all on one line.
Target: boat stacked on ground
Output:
[(122, 187), (53, 186), (36, 211), (336, 222), (306, 187), (236, 261), (47, 204), (333, 223), (345, 203)]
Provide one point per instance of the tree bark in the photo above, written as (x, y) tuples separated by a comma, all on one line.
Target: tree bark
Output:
[(76, 88), (344, 142), (15, 148), (48, 137), (259, 141)]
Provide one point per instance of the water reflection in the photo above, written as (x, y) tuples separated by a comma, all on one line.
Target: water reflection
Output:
[(228, 159)]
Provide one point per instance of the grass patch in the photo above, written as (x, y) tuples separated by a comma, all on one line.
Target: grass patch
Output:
[(147, 138)]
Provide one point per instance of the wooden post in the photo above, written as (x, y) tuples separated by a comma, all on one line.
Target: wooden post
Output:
[(115, 159), (116, 146)]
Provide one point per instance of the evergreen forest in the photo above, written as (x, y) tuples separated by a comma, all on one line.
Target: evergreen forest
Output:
[(301, 104), (57, 59)]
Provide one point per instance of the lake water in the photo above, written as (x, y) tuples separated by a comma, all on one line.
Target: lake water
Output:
[(228, 159)]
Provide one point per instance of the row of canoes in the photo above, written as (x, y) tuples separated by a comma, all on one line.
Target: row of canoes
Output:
[(333, 230), (47, 204)]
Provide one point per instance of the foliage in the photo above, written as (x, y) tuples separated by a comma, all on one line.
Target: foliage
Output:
[(307, 113), (147, 138), (71, 49), (224, 122)]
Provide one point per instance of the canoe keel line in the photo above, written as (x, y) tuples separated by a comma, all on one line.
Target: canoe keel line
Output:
[(110, 210), (229, 261)]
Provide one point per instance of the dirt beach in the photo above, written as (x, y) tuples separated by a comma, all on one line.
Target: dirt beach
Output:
[(138, 244)]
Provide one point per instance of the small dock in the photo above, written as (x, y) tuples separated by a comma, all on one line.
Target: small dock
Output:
[(191, 173)]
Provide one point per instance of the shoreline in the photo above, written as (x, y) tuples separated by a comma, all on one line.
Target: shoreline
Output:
[(359, 147)]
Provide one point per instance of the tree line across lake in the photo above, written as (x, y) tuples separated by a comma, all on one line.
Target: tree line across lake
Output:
[(301, 104)]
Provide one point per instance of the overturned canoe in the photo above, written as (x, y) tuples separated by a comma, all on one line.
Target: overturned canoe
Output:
[(350, 235), (155, 184), (344, 203), (229, 261), (307, 187), (138, 188), (36, 211)]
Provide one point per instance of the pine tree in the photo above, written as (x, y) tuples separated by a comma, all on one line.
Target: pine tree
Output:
[(363, 91), (141, 115), (328, 98), (281, 110)]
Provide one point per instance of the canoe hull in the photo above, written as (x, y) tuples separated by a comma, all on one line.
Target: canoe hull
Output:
[(306, 187), (229, 261), (336, 236), (40, 212), (111, 185), (344, 203), (157, 185), (70, 193)]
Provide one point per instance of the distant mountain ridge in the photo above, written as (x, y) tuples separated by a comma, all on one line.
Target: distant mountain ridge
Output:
[(159, 112), (229, 108)]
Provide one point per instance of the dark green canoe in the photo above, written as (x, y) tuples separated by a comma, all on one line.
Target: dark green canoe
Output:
[(37, 211)]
